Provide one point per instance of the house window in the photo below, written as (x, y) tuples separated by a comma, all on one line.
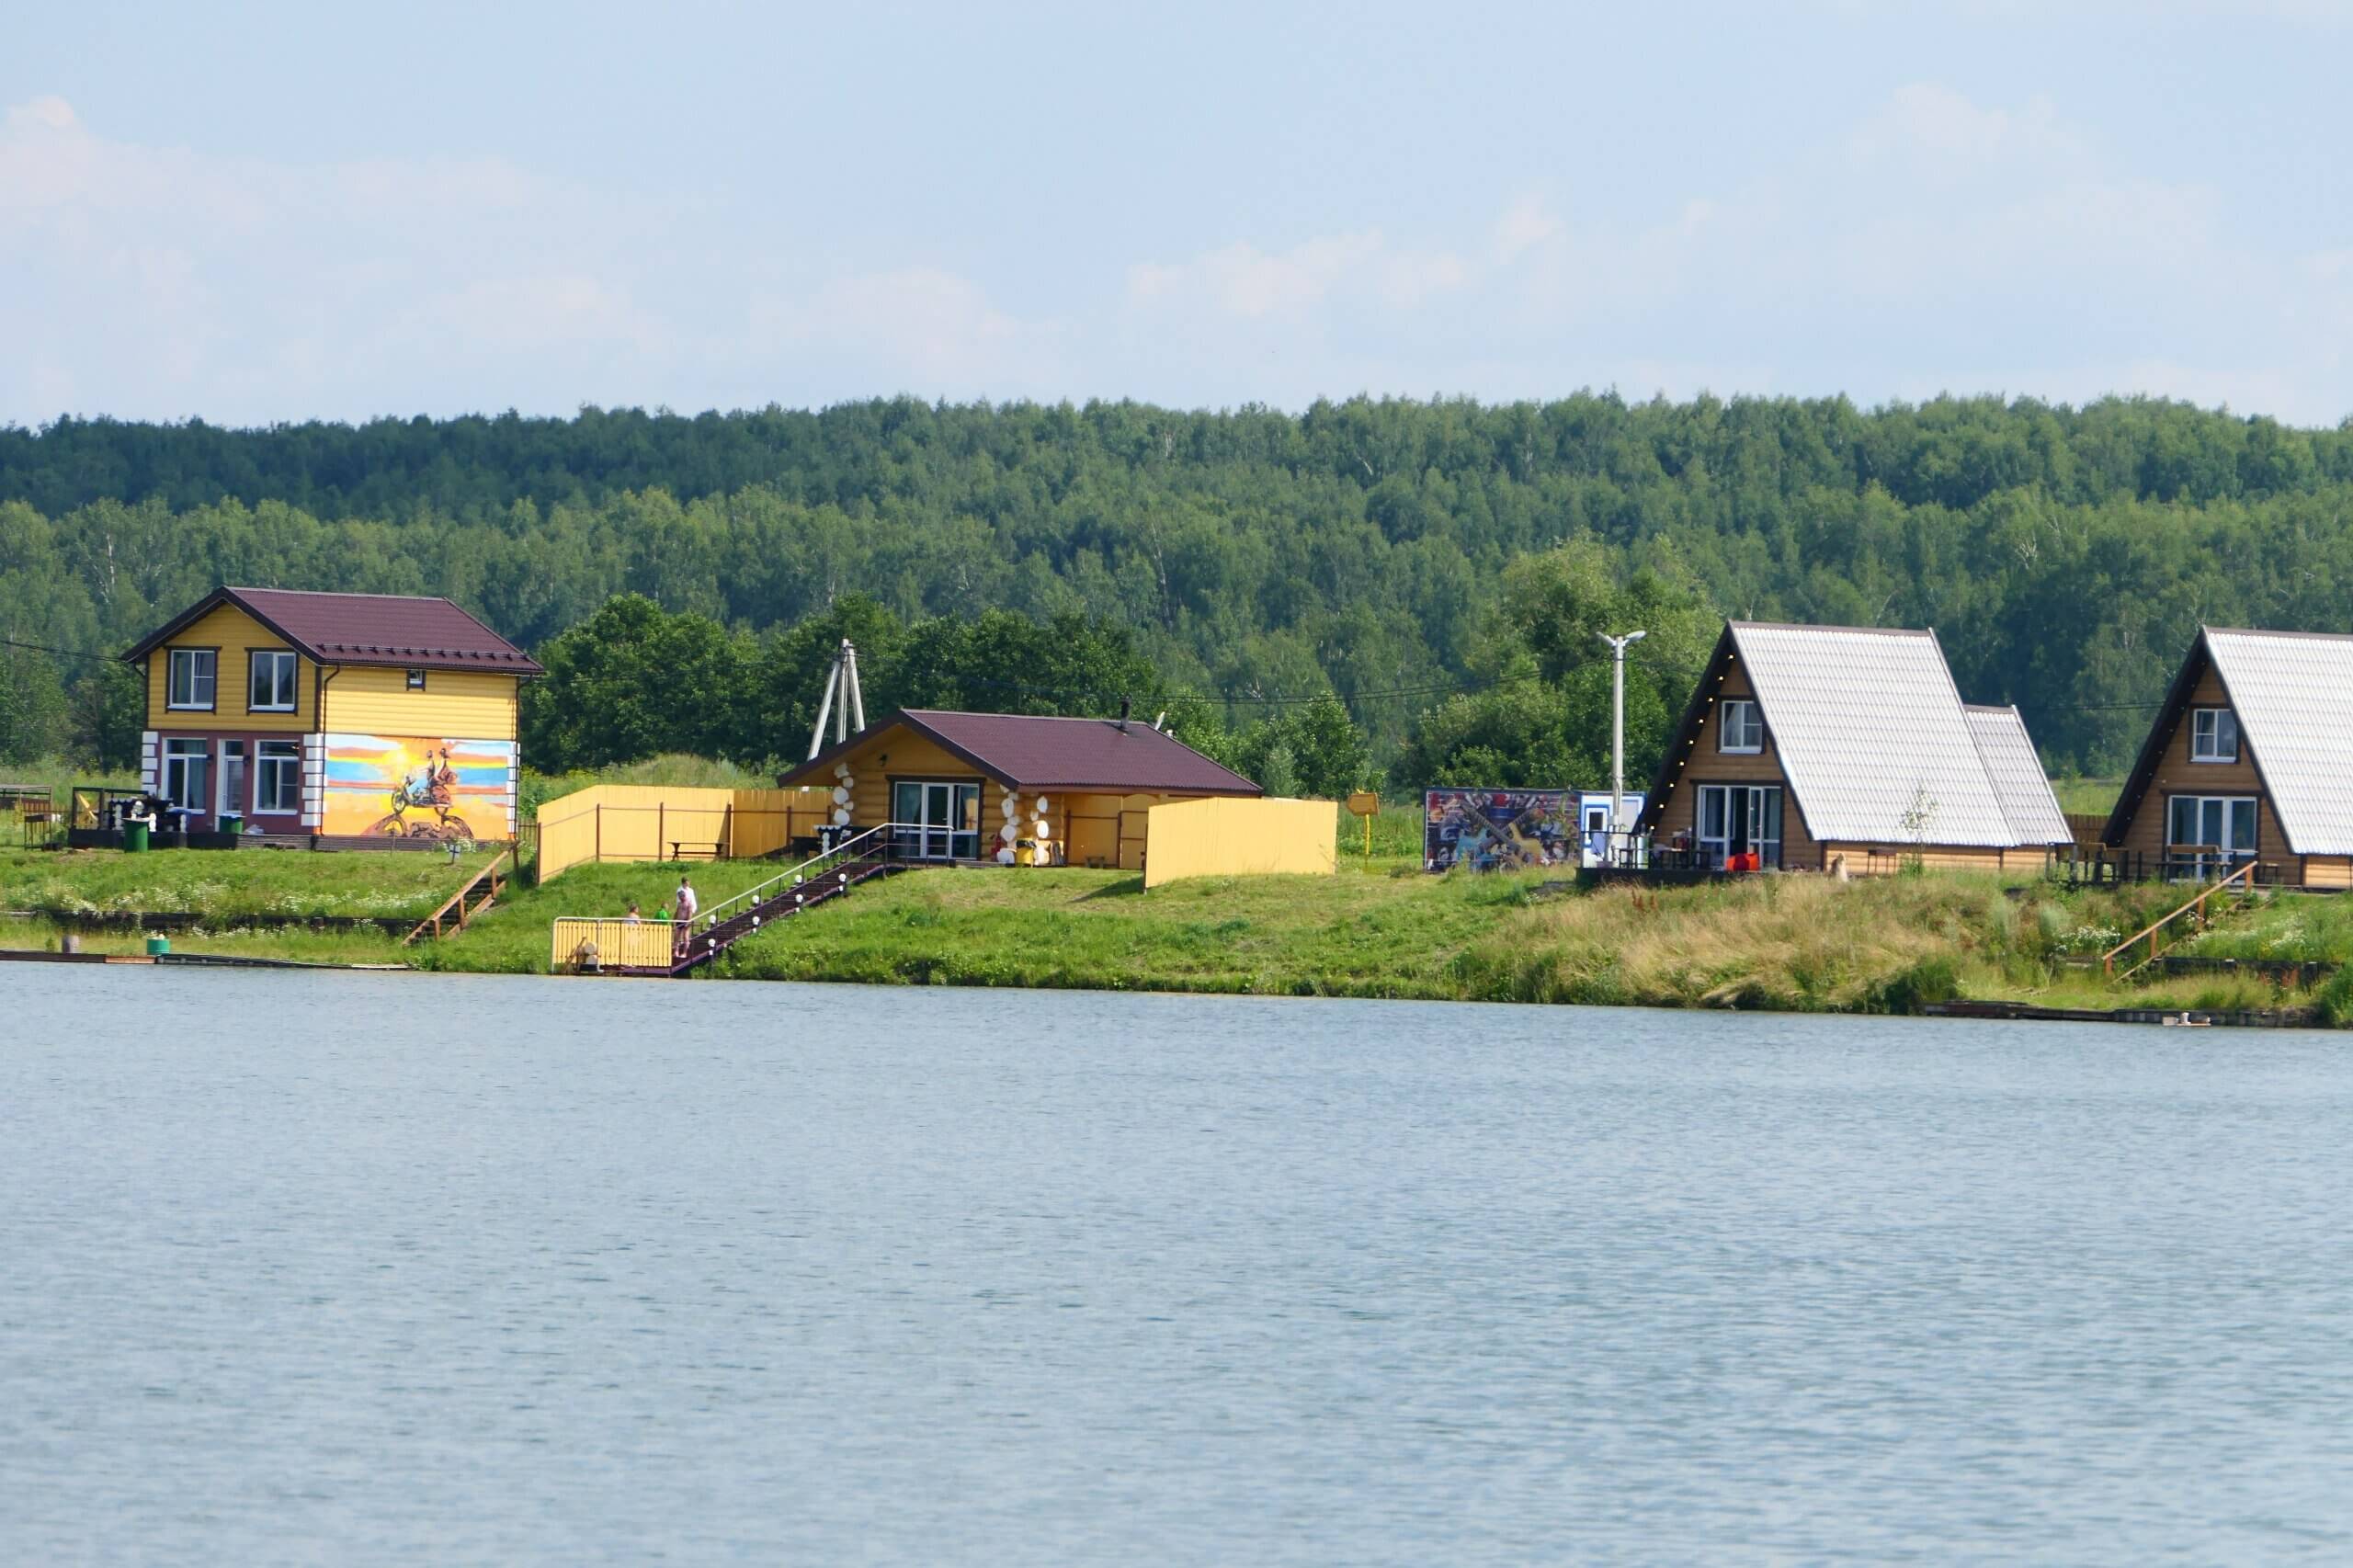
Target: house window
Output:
[(187, 773), (278, 784), (2207, 835), (416, 680), (1736, 819), (271, 689), (1744, 728), (2213, 735), (192, 672)]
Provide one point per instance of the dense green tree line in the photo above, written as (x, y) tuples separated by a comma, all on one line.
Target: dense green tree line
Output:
[(634, 681), (1252, 558)]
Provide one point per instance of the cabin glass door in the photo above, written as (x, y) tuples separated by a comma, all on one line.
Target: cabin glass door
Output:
[(946, 814), (1740, 819), (2209, 835)]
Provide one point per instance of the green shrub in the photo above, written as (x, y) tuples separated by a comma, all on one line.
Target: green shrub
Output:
[(1910, 990)]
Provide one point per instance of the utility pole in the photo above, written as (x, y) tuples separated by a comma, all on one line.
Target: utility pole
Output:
[(1617, 646)]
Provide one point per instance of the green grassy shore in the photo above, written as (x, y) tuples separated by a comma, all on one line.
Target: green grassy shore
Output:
[(1378, 929)]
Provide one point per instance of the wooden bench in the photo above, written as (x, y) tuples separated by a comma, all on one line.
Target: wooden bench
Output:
[(703, 850)]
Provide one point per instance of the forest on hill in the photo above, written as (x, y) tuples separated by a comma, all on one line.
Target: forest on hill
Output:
[(1435, 568)]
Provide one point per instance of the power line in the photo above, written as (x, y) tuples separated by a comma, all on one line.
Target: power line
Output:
[(59, 652)]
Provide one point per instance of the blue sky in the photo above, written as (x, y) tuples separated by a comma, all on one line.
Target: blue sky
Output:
[(337, 212)]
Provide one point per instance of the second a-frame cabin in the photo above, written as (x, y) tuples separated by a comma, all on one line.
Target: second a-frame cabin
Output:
[(1814, 747), (2248, 761)]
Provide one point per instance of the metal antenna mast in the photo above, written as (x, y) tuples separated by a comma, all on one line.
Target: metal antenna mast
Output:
[(841, 681)]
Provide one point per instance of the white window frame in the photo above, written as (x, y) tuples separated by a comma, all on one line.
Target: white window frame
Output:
[(178, 752), (1736, 740), (278, 659), (413, 679), (285, 765), (2206, 735), (204, 669)]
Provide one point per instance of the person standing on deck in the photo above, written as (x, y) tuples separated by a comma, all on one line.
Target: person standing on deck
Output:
[(688, 903)]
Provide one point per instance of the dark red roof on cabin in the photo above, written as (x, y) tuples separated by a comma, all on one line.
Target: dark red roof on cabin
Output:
[(1031, 753), (365, 629)]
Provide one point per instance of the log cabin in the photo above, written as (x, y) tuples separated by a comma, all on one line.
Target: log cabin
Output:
[(339, 719), (1817, 747), (2247, 761), (1009, 788)]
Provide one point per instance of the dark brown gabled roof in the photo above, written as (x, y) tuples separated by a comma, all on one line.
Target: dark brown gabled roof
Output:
[(1025, 752), (363, 629)]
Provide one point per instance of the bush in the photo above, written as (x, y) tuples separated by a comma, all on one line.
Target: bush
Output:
[(2332, 1003), (1911, 989)]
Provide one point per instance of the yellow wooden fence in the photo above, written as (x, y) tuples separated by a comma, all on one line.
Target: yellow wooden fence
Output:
[(1240, 839), (615, 944), (655, 822)]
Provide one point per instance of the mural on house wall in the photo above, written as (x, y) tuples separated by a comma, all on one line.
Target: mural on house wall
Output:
[(1497, 830), (418, 787)]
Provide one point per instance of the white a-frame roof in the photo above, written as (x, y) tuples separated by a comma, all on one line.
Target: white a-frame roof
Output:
[(1876, 744), (1872, 735), (2289, 690), (2019, 782)]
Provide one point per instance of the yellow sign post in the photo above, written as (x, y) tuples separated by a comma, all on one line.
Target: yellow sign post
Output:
[(1365, 803)]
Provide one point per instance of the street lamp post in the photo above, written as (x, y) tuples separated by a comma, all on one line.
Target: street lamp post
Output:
[(1617, 646)]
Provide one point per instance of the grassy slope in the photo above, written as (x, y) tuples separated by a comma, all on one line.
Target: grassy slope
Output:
[(1803, 943), (1794, 943), (403, 884)]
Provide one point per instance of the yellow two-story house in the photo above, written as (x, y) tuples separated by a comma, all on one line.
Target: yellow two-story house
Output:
[(347, 718)]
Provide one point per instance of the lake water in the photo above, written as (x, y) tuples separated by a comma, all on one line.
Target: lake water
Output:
[(304, 1268)]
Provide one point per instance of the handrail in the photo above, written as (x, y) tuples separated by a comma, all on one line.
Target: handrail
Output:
[(2108, 958), (846, 851)]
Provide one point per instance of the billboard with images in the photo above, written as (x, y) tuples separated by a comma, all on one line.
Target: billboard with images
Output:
[(1497, 830)]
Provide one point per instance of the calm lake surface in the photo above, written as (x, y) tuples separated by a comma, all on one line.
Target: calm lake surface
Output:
[(399, 1268)]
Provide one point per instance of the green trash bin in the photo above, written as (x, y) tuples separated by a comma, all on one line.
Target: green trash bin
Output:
[(158, 946), (231, 823), (135, 836)]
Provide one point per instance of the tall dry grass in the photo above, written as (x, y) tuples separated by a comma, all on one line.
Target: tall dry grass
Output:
[(1809, 944)]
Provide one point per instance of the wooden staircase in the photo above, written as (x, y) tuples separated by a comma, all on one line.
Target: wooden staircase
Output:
[(2241, 881), (813, 882), (457, 912), (818, 880)]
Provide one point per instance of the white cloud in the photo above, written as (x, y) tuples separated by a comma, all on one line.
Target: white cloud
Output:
[(1937, 242), (1527, 222), (1243, 280), (1929, 117), (157, 283), (927, 329)]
